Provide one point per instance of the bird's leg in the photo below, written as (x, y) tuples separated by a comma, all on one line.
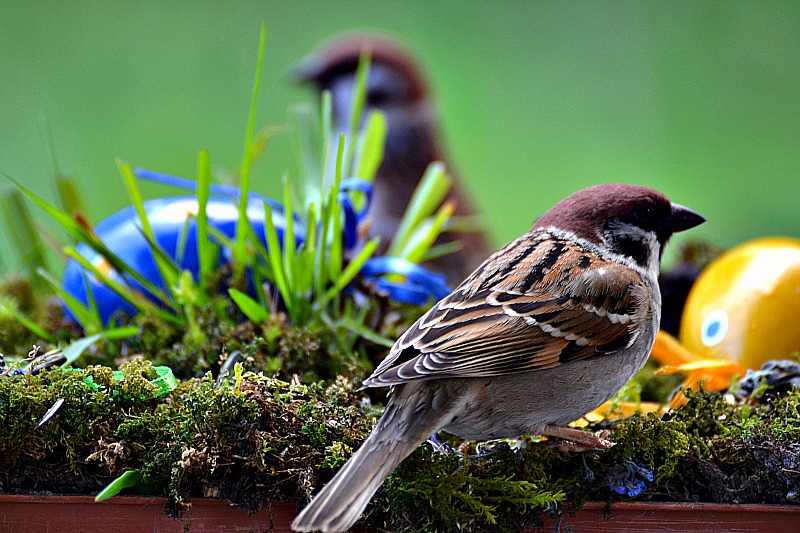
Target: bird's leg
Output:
[(588, 471), (578, 440)]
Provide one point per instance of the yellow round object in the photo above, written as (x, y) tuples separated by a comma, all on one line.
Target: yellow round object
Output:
[(745, 306)]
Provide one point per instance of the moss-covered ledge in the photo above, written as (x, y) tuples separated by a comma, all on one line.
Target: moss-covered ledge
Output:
[(253, 439)]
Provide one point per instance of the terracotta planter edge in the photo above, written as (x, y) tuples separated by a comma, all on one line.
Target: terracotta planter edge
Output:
[(133, 514)]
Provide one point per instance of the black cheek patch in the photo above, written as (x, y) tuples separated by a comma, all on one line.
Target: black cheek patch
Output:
[(632, 247)]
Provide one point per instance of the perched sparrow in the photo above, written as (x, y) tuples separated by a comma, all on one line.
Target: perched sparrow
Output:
[(544, 331), (397, 87)]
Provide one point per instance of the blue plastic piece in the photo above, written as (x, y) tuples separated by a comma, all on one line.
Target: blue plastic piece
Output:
[(169, 218), (629, 478), (420, 286)]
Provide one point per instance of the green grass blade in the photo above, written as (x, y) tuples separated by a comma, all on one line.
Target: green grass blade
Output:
[(257, 246), (335, 248), (430, 192), (320, 272), (305, 142), (64, 220), (326, 109), (206, 254), (139, 301), (240, 247), (183, 237), (90, 299), (306, 254), (335, 251), (250, 307), (369, 153), (163, 261), (425, 234), (464, 224), (131, 478), (441, 250), (76, 348), (260, 250), (68, 195), (87, 317), (328, 212), (7, 308), (224, 240), (129, 178), (81, 234), (262, 139), (276, 261), (363, 331), (258, 284), (350, 271), (359, 97), (289, 242), (167, 265), (22, 231), (35, 328)]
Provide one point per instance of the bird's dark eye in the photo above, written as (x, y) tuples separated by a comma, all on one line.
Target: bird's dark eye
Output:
[(387, 86), (377, 97), (647, 212), (645, 216)]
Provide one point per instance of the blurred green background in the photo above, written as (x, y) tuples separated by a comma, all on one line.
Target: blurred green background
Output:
[(537, 99)]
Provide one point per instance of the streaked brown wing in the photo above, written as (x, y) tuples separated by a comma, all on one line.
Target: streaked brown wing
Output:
[(522, 316)]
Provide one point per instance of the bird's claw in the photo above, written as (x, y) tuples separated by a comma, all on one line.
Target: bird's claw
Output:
[(579, 441)]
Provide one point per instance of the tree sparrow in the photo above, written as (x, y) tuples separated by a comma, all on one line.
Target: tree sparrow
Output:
[(397, 87), (543, 332)]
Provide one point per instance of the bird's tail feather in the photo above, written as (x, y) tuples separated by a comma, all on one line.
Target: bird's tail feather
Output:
[(339, 504)]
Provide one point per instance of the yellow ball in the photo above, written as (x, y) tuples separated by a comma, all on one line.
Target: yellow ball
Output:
[(745, 306)]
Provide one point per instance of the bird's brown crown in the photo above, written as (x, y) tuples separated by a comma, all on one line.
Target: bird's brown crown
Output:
[(340, 55), (588, 212)]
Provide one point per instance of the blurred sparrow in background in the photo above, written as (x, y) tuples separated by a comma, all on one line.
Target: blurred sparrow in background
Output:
[(397, 87)]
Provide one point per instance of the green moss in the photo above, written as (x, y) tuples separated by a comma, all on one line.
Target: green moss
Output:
[(203, 439), (336, 455), (268, 439), (434, 492), (660, 443), (709, 450), (281, 434), (785, 418)]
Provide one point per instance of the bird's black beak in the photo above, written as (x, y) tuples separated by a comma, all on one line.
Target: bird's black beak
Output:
[(683, 218)]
